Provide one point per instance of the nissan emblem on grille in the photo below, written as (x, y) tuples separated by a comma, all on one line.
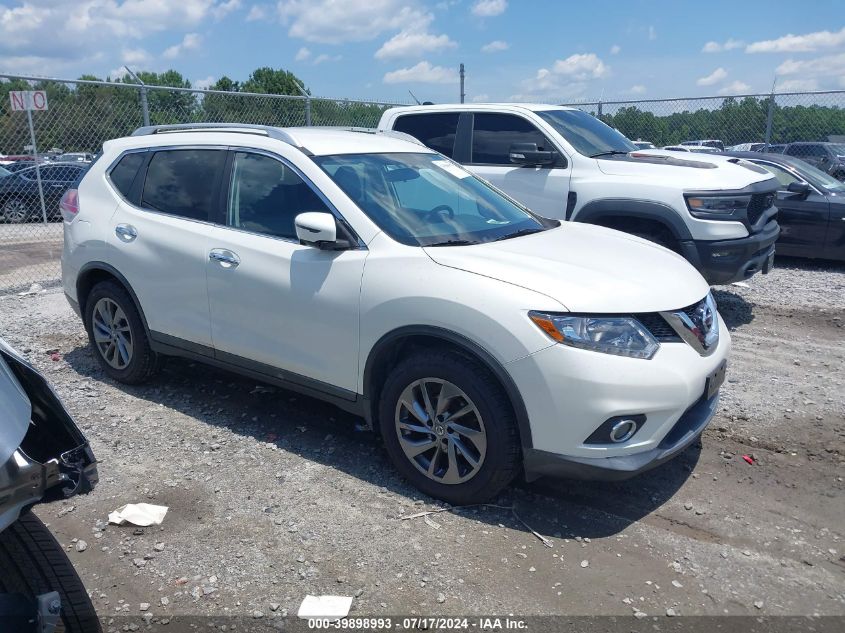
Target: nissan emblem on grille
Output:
[(697, 326)]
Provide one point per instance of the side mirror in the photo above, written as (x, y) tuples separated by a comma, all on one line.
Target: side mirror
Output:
[(319, 230), (528, 154), (801, 189)]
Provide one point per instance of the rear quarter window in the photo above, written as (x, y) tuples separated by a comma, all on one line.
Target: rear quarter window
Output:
[(181, 182), (124, 172)]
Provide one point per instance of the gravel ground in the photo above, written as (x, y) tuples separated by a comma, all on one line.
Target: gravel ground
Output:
[(273, 495)]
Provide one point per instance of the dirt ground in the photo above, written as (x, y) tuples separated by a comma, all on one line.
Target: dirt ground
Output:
[(273, 495)]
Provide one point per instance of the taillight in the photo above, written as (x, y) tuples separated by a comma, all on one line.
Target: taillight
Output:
[(69, 206)]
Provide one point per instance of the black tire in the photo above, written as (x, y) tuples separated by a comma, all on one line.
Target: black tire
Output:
[(502, 461), (33, 563), (144, 362)]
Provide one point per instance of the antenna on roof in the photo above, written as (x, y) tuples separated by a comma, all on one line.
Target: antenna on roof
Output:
[(414, 97)]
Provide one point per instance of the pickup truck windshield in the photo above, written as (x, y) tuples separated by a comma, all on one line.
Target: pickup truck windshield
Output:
[(586, 133), (427, 200)]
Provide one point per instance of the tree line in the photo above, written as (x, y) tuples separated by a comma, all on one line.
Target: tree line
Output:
[(81, 116)]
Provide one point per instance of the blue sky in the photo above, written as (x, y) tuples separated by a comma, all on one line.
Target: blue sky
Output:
[(540, 50)]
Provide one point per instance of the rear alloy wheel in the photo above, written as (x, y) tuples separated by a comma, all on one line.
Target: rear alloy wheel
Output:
[(448, 427), (112, 333), (16, 211)]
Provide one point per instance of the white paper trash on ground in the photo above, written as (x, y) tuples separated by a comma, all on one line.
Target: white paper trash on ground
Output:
[(325, 607), (140, 514)]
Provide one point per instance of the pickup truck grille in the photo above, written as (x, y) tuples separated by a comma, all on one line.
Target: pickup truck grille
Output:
[(760, 202)]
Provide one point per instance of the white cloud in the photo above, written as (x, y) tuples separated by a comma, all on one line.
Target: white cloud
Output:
[(410, 43), (482, 98), (256, 12), (302, 54), (808, 43), (829, 65), (489, 8), (495, 46), (719, 47), (134, 56), (636, 89), (324, 57), (580, 67), (423, 72), (190, 42), (652, 33), (735, 87), (338, 21), (713, 78), (202, 84), (614, 50), (797, 85), (225, 7)]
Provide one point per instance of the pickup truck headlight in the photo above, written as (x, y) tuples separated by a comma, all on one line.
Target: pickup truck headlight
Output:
[(619, 335), (708, 206)]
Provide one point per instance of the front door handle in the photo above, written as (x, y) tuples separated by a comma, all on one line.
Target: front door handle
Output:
[(125, 232), (226, 258)]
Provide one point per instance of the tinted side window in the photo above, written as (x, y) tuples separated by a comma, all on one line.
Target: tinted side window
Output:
[(798, 150), (493, 135), (435, 130), (266, 195), (123, 174), (65, 173), (181, 182)]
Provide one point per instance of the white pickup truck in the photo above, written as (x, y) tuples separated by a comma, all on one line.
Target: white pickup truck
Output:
[(563, 163)]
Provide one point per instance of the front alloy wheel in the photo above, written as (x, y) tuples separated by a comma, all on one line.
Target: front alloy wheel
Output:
[(441, 431)]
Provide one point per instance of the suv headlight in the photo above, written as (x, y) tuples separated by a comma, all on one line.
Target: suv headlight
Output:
[(708, 206), (619, 335)]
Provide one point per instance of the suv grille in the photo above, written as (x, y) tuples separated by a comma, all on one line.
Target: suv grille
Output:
[(760, 202), (658, 327)]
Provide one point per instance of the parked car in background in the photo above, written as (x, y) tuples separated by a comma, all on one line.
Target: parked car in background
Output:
[(482, 339), (75, 157), (746, 147), (719, 145), (564, 163), (14, 158), (811, 207), (772, 149), (18, 165), (20, 200), (644, 144), (43, 457), (828, 157), (698, 149)]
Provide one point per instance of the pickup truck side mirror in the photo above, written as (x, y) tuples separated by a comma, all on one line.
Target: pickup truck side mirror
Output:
[(800, 189), (528, 154)]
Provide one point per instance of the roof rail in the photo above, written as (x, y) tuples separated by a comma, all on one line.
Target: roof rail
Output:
[(403, 136), (240, 128)]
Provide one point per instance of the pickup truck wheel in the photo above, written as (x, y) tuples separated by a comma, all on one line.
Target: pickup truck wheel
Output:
[(117, 334), (663, 238), (33, 563), (449, 428)]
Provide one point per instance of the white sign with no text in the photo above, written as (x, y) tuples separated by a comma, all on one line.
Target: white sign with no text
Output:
[(28, 100)]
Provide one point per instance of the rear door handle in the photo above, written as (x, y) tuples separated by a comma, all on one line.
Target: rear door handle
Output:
[(125, 232), (224, 257)]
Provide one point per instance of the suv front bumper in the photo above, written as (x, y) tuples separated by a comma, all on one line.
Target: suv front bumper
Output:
[(727, 261)]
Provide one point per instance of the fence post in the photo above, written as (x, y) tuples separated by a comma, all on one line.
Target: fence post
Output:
[(308, 110), (600, 109), (769, 117), (37, 165), (145, 107)]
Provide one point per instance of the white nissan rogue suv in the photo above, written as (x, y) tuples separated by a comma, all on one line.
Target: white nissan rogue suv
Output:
[(479, 339)]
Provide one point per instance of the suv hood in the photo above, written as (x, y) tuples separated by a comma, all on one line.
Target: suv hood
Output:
[(687, 170), (586, 268)]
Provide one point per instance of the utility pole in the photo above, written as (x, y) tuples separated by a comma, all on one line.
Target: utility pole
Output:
[(463, 94), (145, 108)]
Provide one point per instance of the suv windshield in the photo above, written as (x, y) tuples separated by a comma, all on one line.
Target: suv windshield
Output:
[(586, 133), (427, 200)]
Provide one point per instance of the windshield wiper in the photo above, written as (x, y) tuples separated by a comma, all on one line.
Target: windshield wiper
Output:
[(519, 233), (452, 243), (612, 152)]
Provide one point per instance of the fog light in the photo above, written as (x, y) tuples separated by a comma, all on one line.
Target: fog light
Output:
[(622, 431), (617, 429)]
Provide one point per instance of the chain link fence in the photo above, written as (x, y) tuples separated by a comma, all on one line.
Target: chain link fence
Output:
[(82, 114)]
